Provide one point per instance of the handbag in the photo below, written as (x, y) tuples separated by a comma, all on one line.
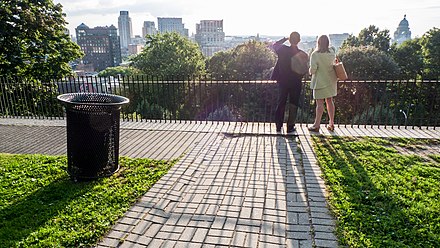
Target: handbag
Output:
[(341, 74)]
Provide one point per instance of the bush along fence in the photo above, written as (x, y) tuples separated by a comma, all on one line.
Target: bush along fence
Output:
[(394, 103)]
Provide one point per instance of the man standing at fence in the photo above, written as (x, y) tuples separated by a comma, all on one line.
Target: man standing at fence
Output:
[(288, 79)]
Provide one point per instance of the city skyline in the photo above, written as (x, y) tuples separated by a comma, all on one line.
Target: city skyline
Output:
[(251, 18)]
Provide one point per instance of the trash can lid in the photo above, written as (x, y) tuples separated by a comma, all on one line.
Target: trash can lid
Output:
[(85, 98)]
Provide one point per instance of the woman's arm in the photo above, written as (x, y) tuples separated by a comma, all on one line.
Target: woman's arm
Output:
[(313, 64)]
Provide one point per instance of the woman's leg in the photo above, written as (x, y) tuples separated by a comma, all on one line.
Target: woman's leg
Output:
[(319, 112), (331, 110)]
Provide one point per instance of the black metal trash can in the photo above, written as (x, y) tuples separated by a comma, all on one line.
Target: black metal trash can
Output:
[(92, 133)]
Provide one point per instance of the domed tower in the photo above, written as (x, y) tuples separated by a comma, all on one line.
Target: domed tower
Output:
[(402, 32)]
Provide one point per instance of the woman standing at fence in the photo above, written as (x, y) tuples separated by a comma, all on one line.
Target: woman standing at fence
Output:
[(324, 81)]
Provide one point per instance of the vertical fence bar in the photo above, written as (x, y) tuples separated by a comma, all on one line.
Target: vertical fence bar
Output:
[(22, 97), (15, 103), (157, 81), (421, 106), (13, 97), (3, 107), (434, 97), (383, 101), (200, 98), (131, 91), (372, 103), (123, 92), (397, 114), (8, 98)]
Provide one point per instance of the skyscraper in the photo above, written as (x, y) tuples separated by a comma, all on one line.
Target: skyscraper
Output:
[(148, 28), (125, 30), (100, 45), (166, 24)]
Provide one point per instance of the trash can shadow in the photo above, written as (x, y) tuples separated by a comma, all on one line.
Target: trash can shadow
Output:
[(92, 134)]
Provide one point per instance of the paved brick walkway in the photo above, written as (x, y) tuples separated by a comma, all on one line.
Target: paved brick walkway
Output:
[(235, 185), (240, 191)]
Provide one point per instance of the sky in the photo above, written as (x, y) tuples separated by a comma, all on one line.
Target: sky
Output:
[(252, 17)]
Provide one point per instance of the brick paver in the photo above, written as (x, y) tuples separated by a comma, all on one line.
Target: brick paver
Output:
[(236, 185), (242, 191)]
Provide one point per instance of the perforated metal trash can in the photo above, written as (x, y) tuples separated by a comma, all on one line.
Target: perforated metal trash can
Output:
[(92, 133)]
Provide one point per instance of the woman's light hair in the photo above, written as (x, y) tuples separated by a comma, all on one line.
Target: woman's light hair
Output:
[(323, 44)]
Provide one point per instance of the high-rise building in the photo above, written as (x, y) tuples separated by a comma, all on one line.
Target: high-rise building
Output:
[(100, 45), (125, 30), (402, 32), (148, 28), (171, 24), (210, 36)]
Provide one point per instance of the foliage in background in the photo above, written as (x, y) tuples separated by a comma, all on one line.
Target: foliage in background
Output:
[(41, 207), (252, 60), (156, 97), (33, 40), (409, 58), (430, 42), (415, 59), (169, 55), (118, 71), (370, 36), (220, 64), (368, 63), (381, 198), (29, 98)]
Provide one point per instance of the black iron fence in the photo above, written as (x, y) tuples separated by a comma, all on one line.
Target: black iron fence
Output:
[(373, 103)]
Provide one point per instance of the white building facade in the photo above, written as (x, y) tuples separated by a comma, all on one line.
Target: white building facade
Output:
[(171, 24), (210, 36)]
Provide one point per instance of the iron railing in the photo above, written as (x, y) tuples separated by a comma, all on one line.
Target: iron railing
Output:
[(369, 103)]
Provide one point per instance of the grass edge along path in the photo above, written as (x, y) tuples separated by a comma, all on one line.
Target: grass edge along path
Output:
[(41, 207), (379, 196)]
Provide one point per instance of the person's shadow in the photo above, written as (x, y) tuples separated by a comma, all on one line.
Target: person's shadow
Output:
[(299, 227)]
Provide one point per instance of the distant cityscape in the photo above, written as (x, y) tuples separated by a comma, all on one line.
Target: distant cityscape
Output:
[(108, 46)]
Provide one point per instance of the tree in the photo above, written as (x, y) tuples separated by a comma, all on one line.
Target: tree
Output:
[(249, 61), (219, 65), (170, 55), (368, 63), (409, 57), (33, 41), (430, 43), (118, 71), (370, 36), (253, 60)]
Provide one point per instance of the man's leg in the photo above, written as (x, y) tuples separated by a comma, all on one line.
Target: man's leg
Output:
[(293, 110), (281, 107), (294, 94)]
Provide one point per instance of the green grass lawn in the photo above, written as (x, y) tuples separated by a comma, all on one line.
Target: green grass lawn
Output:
[(380, 196), (41, 207)]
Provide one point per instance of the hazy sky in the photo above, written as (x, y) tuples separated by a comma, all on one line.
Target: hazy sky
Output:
[(249, 17)]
